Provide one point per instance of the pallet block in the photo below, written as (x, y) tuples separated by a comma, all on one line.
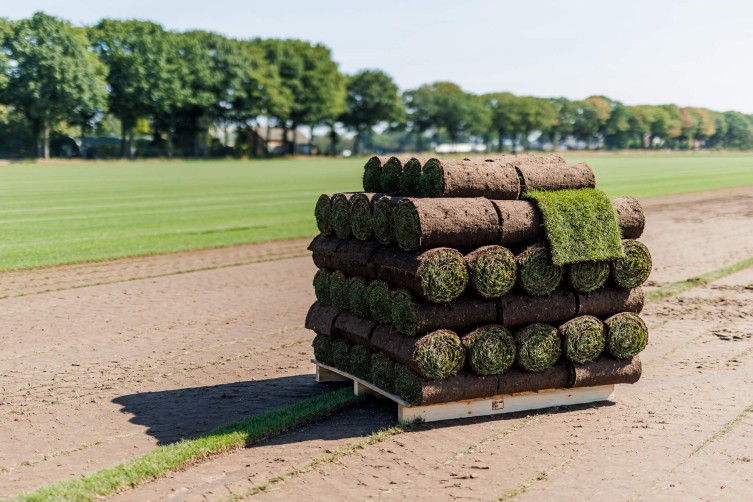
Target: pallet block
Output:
[(481, 407)]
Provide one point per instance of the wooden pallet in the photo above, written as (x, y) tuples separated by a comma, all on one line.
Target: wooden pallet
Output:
[(495, 405)]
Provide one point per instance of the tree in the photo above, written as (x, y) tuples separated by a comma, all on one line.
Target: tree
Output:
[(372, 97), (51, 76), (505, 118), (419, 107), (536, 114)]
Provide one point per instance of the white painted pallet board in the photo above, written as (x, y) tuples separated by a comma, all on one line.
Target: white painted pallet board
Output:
[(494, 405)]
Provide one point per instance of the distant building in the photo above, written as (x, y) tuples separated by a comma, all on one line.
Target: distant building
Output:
[(460, 148), (265, 138)]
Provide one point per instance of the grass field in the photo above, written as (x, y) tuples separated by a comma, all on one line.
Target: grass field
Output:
[(69, 212)]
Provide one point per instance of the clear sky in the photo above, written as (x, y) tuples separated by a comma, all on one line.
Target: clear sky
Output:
[(693, 53)]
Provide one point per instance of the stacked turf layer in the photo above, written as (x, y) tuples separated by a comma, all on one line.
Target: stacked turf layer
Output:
[(459, 279)]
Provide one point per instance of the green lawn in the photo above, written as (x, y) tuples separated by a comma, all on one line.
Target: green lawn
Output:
[(61, 213)]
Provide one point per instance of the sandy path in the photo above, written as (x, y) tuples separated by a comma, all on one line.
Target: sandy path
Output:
[(152, 349)]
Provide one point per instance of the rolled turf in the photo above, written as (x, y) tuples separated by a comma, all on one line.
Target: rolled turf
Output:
[(552, 173), (605, 371), (627, 335), (434, 356), (321, 287), (438, 275), (338, 290), (580, 225), (323, 349), (583, 338), (392, 170), (379, 298), (409, 180), (493, 179), (341, 354), (360, 362), (459, 222), (383, 372), (490, 349), (321, 319), (493, 271), (418, 391), (630, 214), (383, 219), (354, 328), (356, 293), (537, 275), (353, 257), (517, 380), (372, 174), (324, 251), (341, 208), (411, 316), (539, 347), (361, 215), (323, 213), (634, 269), (588, 276), (610, 300), (519, 309)]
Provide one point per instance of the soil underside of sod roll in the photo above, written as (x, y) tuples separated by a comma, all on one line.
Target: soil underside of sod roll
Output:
[(465, 385), (434, 356), (357, 302), (490, 349), (631, 217), (409, 180), (323, 213), (412, 316), (360, 362), (627, 335), (324, 251), (438, 275), (580, 225), (492, 179), (361, 215), (605, 371), (338, 290), (553, 173), (341, 208), (322, 345), (493, 271), (372, 174), (536, 273), (392, 170), (634, 269), (383, 219), (354, 258), (520, 309), (341, 354), (321, 319), (321, 287), (539, 347), (583, 338), (609, 301), (354, 328), (428, 223), (379, 297), (589, 276), (383, 372)]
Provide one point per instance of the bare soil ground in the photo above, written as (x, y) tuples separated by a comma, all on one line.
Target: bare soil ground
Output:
[(101, 362)]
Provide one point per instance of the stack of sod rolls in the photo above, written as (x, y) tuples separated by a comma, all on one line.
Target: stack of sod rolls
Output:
[(450, 279)]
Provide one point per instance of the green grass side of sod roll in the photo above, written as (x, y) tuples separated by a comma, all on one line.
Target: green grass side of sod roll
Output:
[(627, 335), (408, 183), (341, 208), (361, 218), (539, 347), (634, 269), (360, 362), (323, 349), (407, 226), (356, 292), (589, 276), (583, 338), (443, 275), (491, 350), (323, 214), (322, 286), (537, 275), (341, 354), (404, 312), (372, 175), (391, 172), (338, 290), (383, 372), (379, 298), (407, 385), (382, 222), (431, 183), (440, 355), (493, 270)]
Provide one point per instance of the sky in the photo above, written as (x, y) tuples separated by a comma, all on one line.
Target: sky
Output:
[(692, 53)]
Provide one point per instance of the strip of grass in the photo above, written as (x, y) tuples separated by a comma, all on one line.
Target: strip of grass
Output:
[(172, 457)]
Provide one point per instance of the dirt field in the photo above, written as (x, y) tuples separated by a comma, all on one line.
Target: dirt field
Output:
[(102, 362)]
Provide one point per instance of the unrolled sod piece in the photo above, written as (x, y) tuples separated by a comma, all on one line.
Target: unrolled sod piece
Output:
[(392, 171), (338, 290), (354, 258), (493, 179), (418, 391), (537, 275), (493, 271), (608, 301), (324, 251), (409, 180), (539, 347), (321, 319), (383, 372), (583, 339), (379, 298), (411, 316), (383, 219), (321, 287), (438, 275), (372, 174), (552, 173), (490, 349), (341, 354), (635, 267), (627, 335), (323, 349), (435, 356), (588, 276), (323, 214), (356, 293), (360, 362), (361, 215), (354, 328), (630, 213), (341, 206), (460, 222), (605, 371), (520, 309)]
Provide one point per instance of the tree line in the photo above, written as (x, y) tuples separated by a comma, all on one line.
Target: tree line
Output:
[(163, 91)]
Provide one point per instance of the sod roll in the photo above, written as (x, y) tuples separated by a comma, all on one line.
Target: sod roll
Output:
[(493, 179), (360, 362), (627, 335), (490, 349), (383, 220), (392, 171), (588, 276), (493, 271), (583, 338), (321, 287), (418, 391), (605, 371), (609, 301), (409, 181), (411, 316), (537, 275), (383, 372), (438, 275), (630, 214), (341, 354), (321, 319), (551, 172), (356, 293), (354, 328), (323, 214), (517, 380), (323, 349), (434, 356), (324, 251), (460, 222), (372, 174), (341, 208), (353, 257), (539, 347), (520, 309), (634, 269), (379, 298), (338, 290), (361, 215)]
